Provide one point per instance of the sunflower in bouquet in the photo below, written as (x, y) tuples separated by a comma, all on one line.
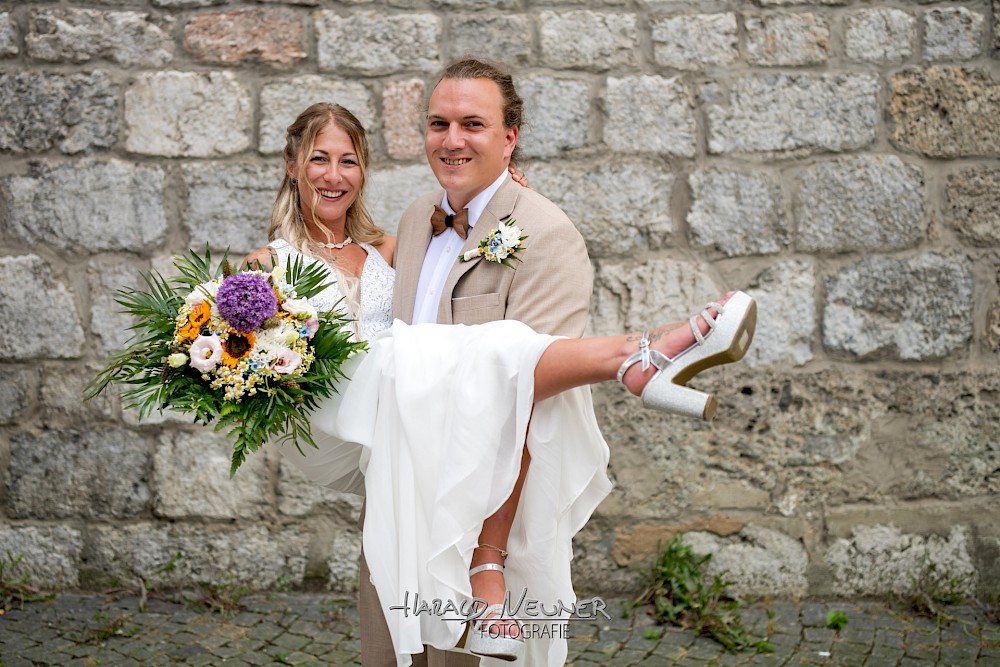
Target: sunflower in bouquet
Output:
[(243, 349)]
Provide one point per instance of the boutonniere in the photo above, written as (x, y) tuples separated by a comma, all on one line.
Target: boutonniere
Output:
[(500, 245)]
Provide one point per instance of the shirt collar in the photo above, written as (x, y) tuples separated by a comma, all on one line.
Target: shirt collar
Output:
[(479, 202)]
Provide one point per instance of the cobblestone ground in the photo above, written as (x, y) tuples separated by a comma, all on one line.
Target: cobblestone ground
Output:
[(312, 629)]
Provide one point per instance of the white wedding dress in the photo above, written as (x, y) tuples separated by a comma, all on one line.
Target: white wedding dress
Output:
[(430, 429)]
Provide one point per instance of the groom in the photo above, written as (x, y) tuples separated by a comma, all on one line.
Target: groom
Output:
[(473, 121)]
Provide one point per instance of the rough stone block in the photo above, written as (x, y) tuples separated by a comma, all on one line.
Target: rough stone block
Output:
[(403, 118), (557, 113), (632, 214), (796, 112), (883, 36), (860, 203), (191, 478), (973, 207), (737, 212), (177, 4), (81, 35), (116, 205), (812, 440), (230, 205), (48, 556), (946, 112), (282, 101), (73, 112), (30, 296), (881, 559), (996, 24), (759, 561), (793, 3), (691, 42), (345, 553), (914, 308), (786, 314), (391, 190), (17, 391), (626, 294), (9, 36), (650, 114), (953, 33), (787, 39), (591, 555), (393, 42), (106, 276), (61, 398), (993, 327), (297, 496), (588, 40), (95, 474), (505, 38), (472, 4), (274, 36), (201, 555), (193, 114)]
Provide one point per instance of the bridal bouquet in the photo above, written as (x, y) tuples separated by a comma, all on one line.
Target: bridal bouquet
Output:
[(242, 349)]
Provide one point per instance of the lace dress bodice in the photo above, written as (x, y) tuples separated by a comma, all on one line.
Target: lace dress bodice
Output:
[(375, 298)]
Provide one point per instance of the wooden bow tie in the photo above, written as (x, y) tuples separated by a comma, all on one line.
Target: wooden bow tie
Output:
[(459, 222)]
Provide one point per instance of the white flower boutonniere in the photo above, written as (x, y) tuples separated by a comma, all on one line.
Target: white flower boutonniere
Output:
[(500, 245)]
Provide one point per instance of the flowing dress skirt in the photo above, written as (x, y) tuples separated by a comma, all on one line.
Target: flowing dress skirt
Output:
[(435, 418)]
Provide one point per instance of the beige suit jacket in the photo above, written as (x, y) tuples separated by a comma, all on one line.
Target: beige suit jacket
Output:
[(549, 289)]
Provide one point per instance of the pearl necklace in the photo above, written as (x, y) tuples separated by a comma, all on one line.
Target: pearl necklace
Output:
[(336, 246)]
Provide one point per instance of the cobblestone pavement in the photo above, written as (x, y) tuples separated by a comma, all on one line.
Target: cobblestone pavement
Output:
[(314, 629)]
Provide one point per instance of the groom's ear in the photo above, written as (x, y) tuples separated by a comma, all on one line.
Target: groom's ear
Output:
[(510, 142)]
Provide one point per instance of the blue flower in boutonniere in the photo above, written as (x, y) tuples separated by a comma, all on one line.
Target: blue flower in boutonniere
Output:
[(500, 245)]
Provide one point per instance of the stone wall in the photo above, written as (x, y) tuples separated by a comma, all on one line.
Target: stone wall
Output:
[(837, 158)]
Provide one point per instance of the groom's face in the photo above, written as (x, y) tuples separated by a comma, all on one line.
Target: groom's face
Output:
[(466, 142)]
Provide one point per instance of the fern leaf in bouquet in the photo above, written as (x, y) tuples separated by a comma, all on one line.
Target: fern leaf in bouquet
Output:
[(244, 349)]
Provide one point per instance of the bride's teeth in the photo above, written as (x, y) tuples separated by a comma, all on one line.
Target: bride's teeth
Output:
[(329, 193)]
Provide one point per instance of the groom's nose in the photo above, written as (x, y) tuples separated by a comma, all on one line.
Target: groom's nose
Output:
[(453, 138)]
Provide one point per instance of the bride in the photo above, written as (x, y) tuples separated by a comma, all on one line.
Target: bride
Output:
[(434, 468)]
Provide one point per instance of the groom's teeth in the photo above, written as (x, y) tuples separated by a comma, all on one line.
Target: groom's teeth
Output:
[(455, 162)]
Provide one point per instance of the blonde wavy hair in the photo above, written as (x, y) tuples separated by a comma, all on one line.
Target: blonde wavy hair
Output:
[(300, 138)]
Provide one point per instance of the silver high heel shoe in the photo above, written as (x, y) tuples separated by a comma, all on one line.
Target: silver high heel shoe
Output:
[(481, 640), (728, 339)]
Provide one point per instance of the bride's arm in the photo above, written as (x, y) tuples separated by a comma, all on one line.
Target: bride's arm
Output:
[(388, 249)]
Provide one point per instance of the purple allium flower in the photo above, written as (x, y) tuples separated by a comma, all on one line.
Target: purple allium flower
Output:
[(245, 300)]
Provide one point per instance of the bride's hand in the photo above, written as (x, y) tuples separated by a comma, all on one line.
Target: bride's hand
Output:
[(263, 256), (519, 177)]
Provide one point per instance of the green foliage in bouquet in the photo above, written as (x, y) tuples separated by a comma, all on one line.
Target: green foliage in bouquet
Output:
[(242, 349)]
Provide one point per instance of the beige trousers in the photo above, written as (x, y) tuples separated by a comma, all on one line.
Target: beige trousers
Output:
[(376, 644)]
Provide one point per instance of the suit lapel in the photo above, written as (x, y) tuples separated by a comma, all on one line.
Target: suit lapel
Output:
[(410, 259), (499, 208)]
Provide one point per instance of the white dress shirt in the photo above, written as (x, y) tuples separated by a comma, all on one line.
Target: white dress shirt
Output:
[(442, 253)]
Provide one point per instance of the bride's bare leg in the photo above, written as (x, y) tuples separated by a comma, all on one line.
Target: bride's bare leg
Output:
[(490, 585)]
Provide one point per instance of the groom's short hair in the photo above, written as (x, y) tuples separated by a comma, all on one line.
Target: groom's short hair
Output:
[(512, 110)]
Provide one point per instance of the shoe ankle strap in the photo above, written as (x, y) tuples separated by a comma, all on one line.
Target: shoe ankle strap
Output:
[(645, 355), (497, 567)]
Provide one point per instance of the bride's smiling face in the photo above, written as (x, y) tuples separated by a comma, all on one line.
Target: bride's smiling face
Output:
[(329, 177)]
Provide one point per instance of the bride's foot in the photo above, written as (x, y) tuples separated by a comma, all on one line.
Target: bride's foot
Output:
[(489, 634), (670, 356), (488, 585)]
